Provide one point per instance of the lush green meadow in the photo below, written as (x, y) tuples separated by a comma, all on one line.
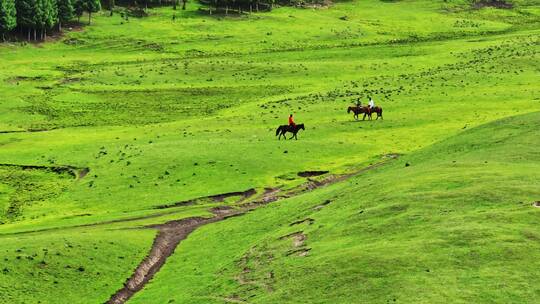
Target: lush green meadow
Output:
[(163, 111)]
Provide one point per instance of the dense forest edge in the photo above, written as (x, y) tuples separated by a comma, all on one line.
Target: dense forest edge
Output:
[(34, 20)]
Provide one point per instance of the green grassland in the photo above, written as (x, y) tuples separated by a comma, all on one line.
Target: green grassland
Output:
[(456, 225), (164, 111)]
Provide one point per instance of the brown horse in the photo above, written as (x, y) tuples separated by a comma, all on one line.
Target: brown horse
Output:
[(281, 130), (366, 111)]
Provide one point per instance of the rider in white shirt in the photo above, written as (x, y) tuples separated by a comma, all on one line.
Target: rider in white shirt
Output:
[(371, 103)]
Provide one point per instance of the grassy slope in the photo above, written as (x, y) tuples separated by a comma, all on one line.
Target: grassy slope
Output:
[(108, 87), (457, 225), (100, 86), (69, 266)]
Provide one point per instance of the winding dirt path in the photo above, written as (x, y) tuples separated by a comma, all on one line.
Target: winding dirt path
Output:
[(168, 238), (172, 233)]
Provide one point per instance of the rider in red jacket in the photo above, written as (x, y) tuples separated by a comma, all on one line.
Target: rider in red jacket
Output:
[(291, 121)]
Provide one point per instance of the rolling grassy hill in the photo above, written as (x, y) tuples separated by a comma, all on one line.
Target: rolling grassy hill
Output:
[(455, 225), (129, 124)]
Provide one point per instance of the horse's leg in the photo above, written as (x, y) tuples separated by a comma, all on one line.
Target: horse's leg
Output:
[(364, 118), (293, 134)]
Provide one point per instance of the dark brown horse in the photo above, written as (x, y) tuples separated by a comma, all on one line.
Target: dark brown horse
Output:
[(366, 111), (281, 130)]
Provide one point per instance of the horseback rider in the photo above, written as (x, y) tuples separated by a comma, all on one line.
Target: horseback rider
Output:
[(358, 103), (371, 104), (291, 121)]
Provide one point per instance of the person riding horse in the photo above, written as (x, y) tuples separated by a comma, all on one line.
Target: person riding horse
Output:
[(291, 121), (358, 103), (371, 104), (366, 110), (292, 127)]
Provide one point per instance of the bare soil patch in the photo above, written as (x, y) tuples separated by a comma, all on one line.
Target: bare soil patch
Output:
[(299, 252), (298, 238), (215, 198), (311, 173), (306, 220), (83, 172), (492, 3), (221, 197)]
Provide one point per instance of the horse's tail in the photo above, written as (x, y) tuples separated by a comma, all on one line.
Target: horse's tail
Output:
[(278, 129), (380, 111)]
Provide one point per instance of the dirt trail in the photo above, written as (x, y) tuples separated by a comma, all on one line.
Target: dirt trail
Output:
[(168, 238), (216, 198), (172, 233)]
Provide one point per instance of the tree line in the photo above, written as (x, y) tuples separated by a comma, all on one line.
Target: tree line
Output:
[(36, 18)]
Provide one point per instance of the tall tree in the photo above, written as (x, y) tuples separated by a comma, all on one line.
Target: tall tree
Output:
[(92, 6), (79, 6), (25, 14), (45, 17), (65, 12), (40, 17), (111, 6), (50, 16), (8, 18)]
